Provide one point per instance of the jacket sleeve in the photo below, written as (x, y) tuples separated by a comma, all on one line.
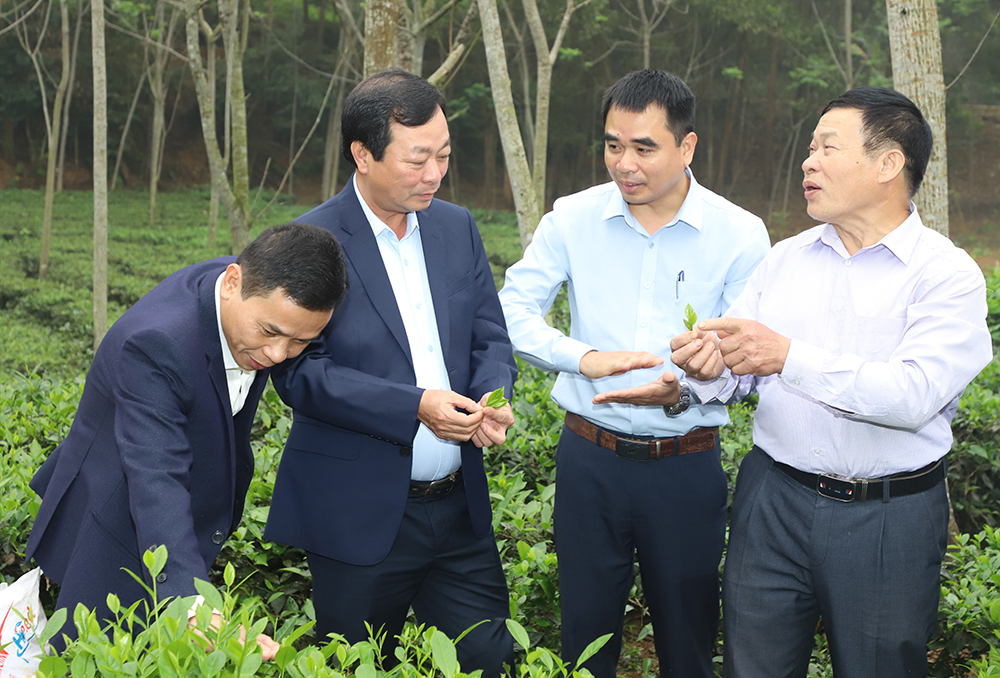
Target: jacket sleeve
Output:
[(152, 400)]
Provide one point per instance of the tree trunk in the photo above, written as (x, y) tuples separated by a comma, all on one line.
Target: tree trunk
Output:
[(525, 200), (100, 174), (546, 57), (490, 139), (64, 131), (915, 42), (206, 107), (770, 108), (162, 35), (240, 221), (381, 19), (128, 124), (54, 127)]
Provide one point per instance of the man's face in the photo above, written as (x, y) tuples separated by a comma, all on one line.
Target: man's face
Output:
[(411, 170), (263, 331), (840, 179), (643, 158)]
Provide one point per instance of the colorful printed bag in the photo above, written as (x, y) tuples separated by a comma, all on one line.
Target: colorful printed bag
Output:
[(21, 619)]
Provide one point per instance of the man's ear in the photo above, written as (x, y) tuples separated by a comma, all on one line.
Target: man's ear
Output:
[(688, 144), (891, 164), (232, 282), (361, 156)]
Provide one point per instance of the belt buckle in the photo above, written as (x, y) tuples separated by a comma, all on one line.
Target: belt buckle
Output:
[(637, 450), (838, 488)]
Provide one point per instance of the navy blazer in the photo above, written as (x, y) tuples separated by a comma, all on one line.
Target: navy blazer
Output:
[(154, 455), (344, 475)]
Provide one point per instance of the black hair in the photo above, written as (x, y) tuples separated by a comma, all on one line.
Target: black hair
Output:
[(304, 261), (638, 89), (393, 95), (890, 119)]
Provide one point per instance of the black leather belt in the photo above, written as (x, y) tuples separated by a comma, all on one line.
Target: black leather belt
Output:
[(698, 440), (862, 489), (435, 489)]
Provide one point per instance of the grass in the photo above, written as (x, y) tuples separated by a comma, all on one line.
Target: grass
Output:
[(46, 325)]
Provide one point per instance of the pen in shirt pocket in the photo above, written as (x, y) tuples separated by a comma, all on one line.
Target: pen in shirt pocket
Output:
[(677, 287)]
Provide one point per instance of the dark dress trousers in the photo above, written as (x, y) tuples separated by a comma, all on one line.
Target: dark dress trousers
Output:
[(343, 482), (154, 455)]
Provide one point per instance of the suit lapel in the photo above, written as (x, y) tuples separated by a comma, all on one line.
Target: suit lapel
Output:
[(362, 250), (213, 356), (436, 260)]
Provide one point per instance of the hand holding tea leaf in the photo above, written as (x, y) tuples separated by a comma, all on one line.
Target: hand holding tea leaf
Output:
[(690, 317), (496, 399)]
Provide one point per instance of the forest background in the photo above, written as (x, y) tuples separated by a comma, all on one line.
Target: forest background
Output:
[(761, 70)]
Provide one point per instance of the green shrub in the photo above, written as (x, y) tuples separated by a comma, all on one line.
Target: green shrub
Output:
[(157, 639)]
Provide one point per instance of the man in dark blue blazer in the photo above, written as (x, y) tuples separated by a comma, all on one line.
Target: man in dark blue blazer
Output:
[(159, 450), (382, 479)]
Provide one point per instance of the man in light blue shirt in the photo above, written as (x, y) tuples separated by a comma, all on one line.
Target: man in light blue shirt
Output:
[(638, 470)]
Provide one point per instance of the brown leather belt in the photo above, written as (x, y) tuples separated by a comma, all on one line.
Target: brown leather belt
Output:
[(698, 440)]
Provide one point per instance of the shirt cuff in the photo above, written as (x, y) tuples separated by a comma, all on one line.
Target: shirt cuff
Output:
[(705, 391), (568, 354), (802, 367)]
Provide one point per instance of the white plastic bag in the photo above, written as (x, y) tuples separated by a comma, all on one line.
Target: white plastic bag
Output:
[(21, 620)]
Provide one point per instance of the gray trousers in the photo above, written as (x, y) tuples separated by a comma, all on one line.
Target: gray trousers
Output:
[(870, 569)]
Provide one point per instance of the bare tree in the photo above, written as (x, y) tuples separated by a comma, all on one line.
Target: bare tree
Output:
[(915, 42), (160, 32), (647, 20), (64, 132), (234, 30), (546, 60), (526, 204), (100, 173), (53, 121)]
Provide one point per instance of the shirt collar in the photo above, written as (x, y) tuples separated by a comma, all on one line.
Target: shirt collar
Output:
[(378, 226), (901, 241), (690, 213), (227, 355)]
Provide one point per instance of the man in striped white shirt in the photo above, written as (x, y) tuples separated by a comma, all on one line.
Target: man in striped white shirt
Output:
[(859, 335)]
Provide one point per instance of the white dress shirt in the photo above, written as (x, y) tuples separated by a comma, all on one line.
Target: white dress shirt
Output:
[(237, 379), (883, 344), (433, 458), (627, 292)]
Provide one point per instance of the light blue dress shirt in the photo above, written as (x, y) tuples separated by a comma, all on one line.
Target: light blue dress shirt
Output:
[(627, 292), (433, 458), (883, 344)]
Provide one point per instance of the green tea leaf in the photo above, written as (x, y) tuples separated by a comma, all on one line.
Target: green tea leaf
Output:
[(690, 317), (496, 399)]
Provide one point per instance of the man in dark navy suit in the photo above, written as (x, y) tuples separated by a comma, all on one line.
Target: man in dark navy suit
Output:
[(382, 479), (159, 450)]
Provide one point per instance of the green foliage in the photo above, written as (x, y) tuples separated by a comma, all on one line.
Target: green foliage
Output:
[(157, 638), (35, 415), (47, 323), (969, 616)]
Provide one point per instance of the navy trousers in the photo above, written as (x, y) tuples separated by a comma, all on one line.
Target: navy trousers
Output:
[(870, 569), (452, 580), (668, 513)]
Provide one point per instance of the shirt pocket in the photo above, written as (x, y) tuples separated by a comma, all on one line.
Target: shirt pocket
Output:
[(704, 297), (877, 337)]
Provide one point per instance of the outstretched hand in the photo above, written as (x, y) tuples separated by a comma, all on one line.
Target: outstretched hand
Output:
[(599, 364), (664, 391)]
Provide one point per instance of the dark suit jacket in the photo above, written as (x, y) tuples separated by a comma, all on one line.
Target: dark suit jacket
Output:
[(154, 455), (344, 476)]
